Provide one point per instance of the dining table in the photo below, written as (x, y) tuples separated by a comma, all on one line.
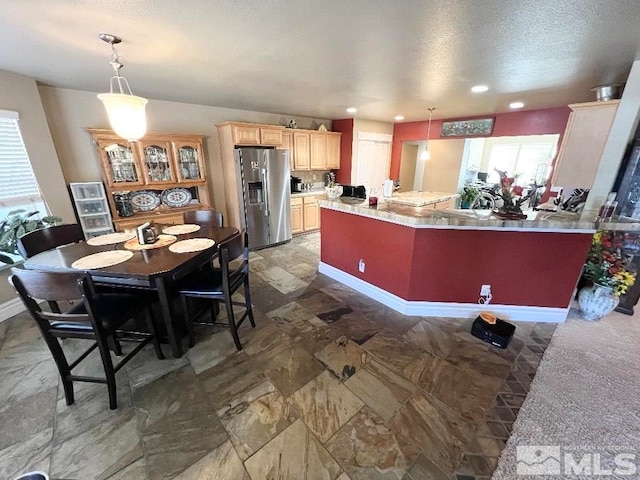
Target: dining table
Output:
[(158, 269)]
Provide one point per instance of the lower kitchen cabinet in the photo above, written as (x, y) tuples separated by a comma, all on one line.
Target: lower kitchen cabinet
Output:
[(305, 213), (311, 213), (297, 225)]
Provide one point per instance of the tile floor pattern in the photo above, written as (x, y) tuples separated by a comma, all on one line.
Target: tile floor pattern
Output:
[(330, 385)]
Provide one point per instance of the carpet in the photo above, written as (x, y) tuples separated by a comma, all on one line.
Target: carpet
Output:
[(585, 399)]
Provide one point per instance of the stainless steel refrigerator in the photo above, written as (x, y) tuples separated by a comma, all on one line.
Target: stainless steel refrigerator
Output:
[(265, 194)]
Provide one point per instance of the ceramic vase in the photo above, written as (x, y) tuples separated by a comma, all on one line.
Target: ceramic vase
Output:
[(596, 301)]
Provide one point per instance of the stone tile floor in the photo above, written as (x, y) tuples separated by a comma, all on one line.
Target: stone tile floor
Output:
[(331, 385)]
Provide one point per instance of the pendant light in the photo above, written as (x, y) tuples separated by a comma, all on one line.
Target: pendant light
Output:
[(425, 155), (125, 110)]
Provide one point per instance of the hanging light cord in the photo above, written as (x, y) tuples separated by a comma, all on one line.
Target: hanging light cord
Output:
[(429, 127), (116, 64)]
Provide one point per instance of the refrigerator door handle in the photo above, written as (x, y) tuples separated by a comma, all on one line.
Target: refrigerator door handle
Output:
[(265, 189)]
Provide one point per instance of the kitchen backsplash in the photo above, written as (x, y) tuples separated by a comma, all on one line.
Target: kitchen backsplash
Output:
[(311, 176)]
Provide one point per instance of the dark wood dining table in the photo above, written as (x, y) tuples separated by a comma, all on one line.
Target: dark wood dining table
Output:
[(156, 269)]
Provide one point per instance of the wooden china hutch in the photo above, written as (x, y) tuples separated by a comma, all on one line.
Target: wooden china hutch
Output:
[(155, 179)]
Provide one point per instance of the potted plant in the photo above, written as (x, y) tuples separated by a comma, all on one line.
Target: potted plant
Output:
[(15, 225), (610, 273), (468, 195)]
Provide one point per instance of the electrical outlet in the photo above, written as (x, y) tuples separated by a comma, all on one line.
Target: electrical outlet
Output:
[(361, 266), (485, 290)]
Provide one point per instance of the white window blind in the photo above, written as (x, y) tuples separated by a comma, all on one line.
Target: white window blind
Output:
[(18, 184)]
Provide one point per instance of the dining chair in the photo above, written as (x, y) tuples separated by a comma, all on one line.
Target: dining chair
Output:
[(219, 285), (94, 316), (204, 216), (49, 238)]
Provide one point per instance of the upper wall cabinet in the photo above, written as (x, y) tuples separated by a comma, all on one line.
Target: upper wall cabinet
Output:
[(583, 142), (255, 134), (314, 150)]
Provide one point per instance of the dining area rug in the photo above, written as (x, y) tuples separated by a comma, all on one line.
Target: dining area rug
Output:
[(581, 417)]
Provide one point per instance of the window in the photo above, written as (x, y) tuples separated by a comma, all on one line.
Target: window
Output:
[(18, 185), (528, 162)]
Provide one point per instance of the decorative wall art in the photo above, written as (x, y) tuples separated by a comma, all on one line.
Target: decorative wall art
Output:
[(467, 128)]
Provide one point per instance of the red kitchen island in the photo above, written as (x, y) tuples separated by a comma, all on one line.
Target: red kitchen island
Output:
[(428, 262)]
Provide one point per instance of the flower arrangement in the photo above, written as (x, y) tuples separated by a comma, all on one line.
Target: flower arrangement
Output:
[(512, 198), (606, 264)]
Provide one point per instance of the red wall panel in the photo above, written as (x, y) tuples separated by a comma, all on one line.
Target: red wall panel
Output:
[(440, 265), (345, 126)]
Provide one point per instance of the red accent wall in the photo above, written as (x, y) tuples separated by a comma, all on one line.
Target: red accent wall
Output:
[(345, 126), (531, 122), (441, 265)]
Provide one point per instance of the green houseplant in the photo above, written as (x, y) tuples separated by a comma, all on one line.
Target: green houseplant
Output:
[(468, 195), (16, 224)]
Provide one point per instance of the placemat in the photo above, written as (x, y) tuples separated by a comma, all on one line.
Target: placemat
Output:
[(110, 238), (192, 245), (102, 259), (162, 241), (181, 229)]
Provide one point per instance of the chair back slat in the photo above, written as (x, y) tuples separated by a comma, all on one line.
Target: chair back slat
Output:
[(50, 286), (49, 238), (209, 217), (235, 247)]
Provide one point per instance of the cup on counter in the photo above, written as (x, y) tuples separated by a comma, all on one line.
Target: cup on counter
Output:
[(373, 198)]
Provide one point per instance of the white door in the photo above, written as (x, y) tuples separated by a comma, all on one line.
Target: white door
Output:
[(373, 161)]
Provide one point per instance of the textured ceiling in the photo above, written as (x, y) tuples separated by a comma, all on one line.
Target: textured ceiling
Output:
[(317, 58)]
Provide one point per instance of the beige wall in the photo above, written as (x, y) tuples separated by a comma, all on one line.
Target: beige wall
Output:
[(20, 94), (70, 112), (442, 170), (408, 166)]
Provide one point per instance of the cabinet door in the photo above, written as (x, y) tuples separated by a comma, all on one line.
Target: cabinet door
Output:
[(583, 143), (318, 149), (287, 143), (271, 136), (156, 161), (301, 151), (119, 164), (297, 225), (311, 213), (188, 161), (333, 151), (246, 135)]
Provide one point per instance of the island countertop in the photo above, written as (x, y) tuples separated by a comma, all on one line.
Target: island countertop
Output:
[(428, 217), (420, 199)]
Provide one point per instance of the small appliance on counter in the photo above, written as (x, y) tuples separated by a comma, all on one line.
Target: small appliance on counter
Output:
[(146, 234), (387, 188), (296, 184), (353, 194)]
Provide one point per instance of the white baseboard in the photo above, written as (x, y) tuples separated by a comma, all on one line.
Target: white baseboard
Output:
[(444, 309), (11, 308)]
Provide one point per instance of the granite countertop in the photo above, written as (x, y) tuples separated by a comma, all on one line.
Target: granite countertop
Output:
[(316, 191), (420, 199), (428, 217)]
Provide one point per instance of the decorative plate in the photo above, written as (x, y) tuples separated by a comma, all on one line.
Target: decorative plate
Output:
[(176, 197), (145, 200)]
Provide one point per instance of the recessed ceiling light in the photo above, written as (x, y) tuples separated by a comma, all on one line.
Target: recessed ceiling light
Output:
[(352, 110), (479, 88), (398, 118), (516, 105)]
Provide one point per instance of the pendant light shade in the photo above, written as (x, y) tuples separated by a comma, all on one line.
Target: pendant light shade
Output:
[(126, 114), (126, 111)]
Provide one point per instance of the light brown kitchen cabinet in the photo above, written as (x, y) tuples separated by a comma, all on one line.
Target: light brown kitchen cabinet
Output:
[(297, 225), (255, 134), (311, 214), (287, 144), (301, 151), (318, 151), (158, 163), (333, 150), (583, 142)]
